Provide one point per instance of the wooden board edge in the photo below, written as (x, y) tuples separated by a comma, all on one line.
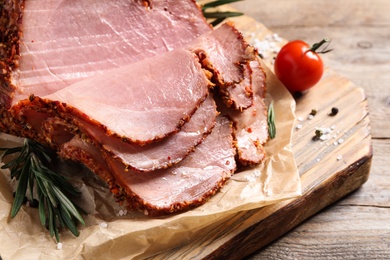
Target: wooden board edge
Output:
[(294, 212)]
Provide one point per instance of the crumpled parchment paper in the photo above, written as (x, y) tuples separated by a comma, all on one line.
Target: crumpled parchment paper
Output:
[(112, 233)]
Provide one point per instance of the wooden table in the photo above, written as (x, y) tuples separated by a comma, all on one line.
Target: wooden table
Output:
[(357, 226)]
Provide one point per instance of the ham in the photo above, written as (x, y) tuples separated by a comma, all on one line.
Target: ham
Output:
[(128, 89), (144, 158), (165, 153), (185, 185), (250, 125), (227, 55), (140, 94), (89, 96), (80, 150), (85, 99), (68, 41), (141, 155)]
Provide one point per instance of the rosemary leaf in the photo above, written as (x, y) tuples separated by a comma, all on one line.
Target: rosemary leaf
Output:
[(41, 208), (50, 194), (31, 184), (65, 202), (20, 193), (217, 21), (24, 171), (218, 16), (15, 173), (67, 221), (8, 151), (221, 14), (11, 164), (61, 222), (41, 187), (271, 121), (57, 235), (52, 221), (218, 3)]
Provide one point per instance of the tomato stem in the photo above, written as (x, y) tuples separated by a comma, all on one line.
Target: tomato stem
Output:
[(317, 45)]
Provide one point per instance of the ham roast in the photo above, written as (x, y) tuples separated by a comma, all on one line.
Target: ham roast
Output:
[(129, 89)]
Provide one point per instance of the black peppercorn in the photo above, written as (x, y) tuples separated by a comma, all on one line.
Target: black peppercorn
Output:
[(318, 134), (334, 111)]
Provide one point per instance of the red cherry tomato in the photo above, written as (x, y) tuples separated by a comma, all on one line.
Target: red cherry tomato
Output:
[(298, 66)]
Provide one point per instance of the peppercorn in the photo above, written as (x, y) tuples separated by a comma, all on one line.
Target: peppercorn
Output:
[(334, 111), (318, 134)]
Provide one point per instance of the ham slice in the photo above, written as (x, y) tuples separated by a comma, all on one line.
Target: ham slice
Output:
[(250, 125), (59, 123), (80, 150), (165, 153), (65, 41), (144, 158), (86, 100), (225, 53), (166, 89), (187, 184)]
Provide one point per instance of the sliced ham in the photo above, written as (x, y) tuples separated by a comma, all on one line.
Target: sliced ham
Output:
[(128, 103), (131, 111), (144, 92), (172, 149), (165, 153), (147, 157), (227, 55), (79, 150), (144, 158), (63, 42), (190, 183), (240, 95), (124, 87), (250, 125), (68, 41)]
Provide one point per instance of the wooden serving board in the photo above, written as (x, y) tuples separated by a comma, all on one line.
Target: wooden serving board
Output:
[(329, 169)]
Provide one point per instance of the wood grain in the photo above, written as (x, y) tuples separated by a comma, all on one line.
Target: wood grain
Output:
[(356, 227)]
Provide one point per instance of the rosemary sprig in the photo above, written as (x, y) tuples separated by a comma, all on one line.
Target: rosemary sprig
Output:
[(219, 16), (271, 121), (30, 169), (218, 3)]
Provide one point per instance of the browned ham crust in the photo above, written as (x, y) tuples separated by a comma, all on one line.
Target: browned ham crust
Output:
[(227, 55)]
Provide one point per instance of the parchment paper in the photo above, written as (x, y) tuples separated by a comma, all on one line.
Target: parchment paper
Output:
[(107, 235)]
